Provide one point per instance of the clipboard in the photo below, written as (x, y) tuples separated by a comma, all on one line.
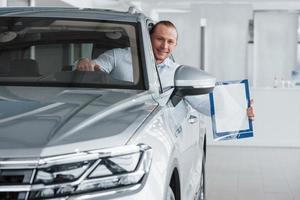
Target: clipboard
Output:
[(228, 106)]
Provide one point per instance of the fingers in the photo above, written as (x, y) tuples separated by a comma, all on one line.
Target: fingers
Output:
[(96, 67), (250, 110), (85, 64)]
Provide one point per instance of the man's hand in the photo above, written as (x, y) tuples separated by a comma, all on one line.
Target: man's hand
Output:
[(86, 64), (250, 111)]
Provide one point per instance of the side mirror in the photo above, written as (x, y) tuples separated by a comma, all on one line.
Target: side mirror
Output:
[(192, 81)]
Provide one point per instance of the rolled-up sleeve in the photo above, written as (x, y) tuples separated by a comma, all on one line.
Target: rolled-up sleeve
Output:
[(106, 61)]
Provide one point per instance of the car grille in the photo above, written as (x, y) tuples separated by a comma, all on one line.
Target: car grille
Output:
[(13, 183)]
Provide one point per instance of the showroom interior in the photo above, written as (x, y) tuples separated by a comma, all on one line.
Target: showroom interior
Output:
[(258, 40)]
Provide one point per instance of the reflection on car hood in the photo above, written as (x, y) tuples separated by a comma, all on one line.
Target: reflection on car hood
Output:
[(38, 121)]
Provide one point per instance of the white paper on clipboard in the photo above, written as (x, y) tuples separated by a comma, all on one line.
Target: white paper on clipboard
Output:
[(229, 103)]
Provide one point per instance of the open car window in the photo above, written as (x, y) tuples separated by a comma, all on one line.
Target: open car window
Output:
[(43, 51)]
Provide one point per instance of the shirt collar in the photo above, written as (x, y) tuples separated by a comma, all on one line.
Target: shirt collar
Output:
[(165, 63)]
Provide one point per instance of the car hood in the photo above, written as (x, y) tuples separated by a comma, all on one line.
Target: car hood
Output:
[(41, 122)]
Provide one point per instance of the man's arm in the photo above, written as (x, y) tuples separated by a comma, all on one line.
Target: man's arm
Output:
[(201, 104), (104, 62)]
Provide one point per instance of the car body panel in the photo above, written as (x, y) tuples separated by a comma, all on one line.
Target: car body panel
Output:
[(67, 116), (174, 148), (68, 13)]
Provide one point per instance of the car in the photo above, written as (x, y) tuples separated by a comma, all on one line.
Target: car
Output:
[(68, 134)]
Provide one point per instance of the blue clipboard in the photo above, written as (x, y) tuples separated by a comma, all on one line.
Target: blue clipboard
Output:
[(228, 105)]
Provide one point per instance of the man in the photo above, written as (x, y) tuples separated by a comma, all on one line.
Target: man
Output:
[(164, 40)]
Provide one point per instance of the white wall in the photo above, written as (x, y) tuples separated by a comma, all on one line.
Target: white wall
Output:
[(275, 46), (226, 39)]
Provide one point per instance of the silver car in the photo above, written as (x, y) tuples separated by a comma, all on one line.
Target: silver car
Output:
[(67, 134)]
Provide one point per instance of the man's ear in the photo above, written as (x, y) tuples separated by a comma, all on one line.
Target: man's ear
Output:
[(150, 26)]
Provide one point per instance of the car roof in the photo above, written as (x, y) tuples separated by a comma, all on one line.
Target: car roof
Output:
[(72, 13)]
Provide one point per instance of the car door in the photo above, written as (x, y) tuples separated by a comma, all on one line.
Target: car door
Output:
[(185, 126)]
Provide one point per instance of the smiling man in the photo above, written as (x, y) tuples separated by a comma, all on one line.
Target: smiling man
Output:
[(163, 39), (117, 62)]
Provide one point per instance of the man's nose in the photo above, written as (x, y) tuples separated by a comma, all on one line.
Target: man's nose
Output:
[(164, 44)]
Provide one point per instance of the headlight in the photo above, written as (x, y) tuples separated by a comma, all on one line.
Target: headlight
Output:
[(91, 171)]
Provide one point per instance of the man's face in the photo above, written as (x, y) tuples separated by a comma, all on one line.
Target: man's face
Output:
[(164, 40)]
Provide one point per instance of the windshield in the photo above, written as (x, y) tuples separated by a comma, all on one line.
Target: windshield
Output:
[(46, 52)]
